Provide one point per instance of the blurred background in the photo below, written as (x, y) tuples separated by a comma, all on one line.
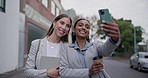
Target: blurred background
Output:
[(22, 21)]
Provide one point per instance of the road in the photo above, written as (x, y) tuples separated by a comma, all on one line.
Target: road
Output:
[(120, 69), (115, 68)]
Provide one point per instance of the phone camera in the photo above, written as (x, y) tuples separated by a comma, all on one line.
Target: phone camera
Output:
[(102, 12)]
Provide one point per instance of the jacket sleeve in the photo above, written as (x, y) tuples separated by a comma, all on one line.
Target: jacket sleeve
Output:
[(66, 71), (107, 47), (30, 71)]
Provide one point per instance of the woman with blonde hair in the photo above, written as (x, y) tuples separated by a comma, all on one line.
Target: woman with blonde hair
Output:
[(48, 46)]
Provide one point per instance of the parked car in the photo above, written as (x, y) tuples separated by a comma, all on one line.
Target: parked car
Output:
[(113, 54), (139, 60)]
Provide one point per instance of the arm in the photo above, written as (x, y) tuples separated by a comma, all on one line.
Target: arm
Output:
[(30, 63), (65, 70), (106, 48), (112, 31)]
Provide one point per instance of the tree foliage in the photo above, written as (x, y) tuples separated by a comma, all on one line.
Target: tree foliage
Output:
[(127, 35)]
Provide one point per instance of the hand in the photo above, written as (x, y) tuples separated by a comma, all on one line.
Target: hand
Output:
[(95, 68), (53, 72), (111, 29)]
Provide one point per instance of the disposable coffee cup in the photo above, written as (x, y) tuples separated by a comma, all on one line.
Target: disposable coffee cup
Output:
[(98, 59)]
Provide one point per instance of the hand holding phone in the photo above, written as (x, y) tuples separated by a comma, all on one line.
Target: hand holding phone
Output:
[(110, 28), (105, 15)]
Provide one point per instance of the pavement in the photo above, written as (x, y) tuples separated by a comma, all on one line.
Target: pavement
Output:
[(122, 59), (19, 73)]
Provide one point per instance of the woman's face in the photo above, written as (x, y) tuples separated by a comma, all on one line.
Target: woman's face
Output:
[(82, 29), (62, 26)]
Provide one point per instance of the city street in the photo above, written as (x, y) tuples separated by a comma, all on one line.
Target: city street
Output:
[(116, 68), (117, 26), (120, 69)]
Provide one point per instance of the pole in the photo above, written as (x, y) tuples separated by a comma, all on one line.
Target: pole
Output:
[(135, 45)]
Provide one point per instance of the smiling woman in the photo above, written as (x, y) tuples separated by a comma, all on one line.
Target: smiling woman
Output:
[(77, 58), (82, 29), (49, 46)]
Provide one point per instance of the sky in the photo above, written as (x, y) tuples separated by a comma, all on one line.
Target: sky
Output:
[(135, 10)]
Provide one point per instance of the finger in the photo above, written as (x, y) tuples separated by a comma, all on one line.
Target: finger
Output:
[(112, 32), (113, 35), (113, 23), (110, 27), (116, 37), (96, 71), (109, 31), (98, 68)]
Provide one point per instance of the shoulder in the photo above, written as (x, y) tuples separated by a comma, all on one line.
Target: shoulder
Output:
[(36, 41), (65, 44), (96, 41)]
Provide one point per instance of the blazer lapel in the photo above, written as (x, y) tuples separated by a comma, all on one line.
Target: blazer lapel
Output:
[(44, 47)]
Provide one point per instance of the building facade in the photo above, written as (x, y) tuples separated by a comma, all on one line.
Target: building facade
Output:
[(21, 22), (9, 32)]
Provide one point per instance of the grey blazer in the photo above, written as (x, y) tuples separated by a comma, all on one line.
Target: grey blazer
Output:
[(30, 71), (70, 66)]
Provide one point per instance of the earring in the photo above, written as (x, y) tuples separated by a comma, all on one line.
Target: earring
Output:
[(73, 33)]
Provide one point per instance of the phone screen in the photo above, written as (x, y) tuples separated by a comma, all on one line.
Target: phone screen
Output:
[(105, 15)]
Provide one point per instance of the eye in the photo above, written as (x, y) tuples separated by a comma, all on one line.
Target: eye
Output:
[(80, 25), (61, 22), (67, 25), (87, 26)]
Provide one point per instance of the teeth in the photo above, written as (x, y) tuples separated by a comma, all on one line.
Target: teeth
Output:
[(62, 31), (83, 32)]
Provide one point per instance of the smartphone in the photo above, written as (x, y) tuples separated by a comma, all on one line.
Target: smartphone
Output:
[(105, 15)]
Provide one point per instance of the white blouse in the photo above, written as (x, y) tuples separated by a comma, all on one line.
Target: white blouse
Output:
[(53, 49)]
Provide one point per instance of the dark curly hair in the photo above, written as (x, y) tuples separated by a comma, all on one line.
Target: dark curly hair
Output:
[(73, 34)]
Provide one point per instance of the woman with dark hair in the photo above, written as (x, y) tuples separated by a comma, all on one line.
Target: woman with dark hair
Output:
[(48, 46), (77, 59)]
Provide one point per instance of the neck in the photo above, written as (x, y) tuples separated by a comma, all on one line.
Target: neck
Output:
[(81, 42), (53, 38)]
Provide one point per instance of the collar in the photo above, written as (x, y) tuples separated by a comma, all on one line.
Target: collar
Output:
[(86, 45)]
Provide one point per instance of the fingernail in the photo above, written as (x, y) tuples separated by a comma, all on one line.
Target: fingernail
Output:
[(101, 28), (101, 25), (103, 21)]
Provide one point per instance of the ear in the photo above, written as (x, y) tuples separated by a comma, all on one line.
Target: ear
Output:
[(54, 24)]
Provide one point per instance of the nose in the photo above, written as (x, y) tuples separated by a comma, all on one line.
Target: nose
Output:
[(64, 27), (83, 27)]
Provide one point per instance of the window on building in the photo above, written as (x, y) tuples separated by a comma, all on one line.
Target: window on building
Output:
[(45, 3), (53, 8), (57, 11), (2, 5)]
